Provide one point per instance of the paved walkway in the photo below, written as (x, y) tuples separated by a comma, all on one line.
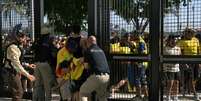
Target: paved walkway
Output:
[(128, 97), (56, 97), (122, 96)]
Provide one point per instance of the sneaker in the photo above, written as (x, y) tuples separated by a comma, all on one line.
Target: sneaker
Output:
[(196, 97), (175, 98), (169, 98), (137, 98)]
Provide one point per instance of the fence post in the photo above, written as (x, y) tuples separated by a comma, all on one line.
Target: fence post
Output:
[(37, 18), (92, 17), (1, 48), (155, 47)]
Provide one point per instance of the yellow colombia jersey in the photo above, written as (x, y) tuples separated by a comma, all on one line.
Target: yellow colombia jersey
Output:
[(62, 55), (141, 40), (76, 70), (189, 47), (145, 51), (115, 48)]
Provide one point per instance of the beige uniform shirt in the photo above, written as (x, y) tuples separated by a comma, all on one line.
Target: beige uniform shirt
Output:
[(13, 54)]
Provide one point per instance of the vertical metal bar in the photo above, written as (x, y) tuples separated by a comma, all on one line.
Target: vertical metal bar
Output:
[(104, 25), (1, 49), (107, 26), (41, 12), (32, 20), (161, 89), (99, 18), (187, 13), (193, 8), (92, 17), (37, 17), (155, 30), (178, 20)]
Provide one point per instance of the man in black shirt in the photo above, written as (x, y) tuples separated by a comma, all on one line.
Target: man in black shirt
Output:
[(44, 63), (98, 81)]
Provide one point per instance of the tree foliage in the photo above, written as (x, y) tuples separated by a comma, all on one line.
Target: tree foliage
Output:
[(63, 13), (19, 6), (137, 11)]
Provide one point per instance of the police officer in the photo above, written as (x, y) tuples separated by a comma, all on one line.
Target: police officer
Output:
[(13, 65), (99, 79)]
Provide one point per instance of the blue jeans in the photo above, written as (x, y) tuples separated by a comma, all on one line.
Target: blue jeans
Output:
[(136, 74)]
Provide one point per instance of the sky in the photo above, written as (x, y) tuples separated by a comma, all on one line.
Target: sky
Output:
[(170, 20)]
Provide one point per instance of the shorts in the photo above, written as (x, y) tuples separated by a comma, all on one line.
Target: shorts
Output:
[(172, 75), (137, 75), (192, 72)]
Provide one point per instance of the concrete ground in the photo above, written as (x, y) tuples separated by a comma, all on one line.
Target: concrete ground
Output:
[(114, 97), (56, 97), (128, 97)]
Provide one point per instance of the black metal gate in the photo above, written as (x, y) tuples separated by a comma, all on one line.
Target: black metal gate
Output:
[(15, 12), (153, 21), (12, 13), (113, 22), (181, 20)]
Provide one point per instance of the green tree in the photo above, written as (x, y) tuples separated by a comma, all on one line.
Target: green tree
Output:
[(63, 13), (137, 11), (19, 6)]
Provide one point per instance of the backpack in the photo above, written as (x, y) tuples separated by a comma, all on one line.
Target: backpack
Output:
[(6, 66), (5, 71), (5, 55)]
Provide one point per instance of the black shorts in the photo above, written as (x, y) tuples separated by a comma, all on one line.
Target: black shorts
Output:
[(172, 75), (192, 72)]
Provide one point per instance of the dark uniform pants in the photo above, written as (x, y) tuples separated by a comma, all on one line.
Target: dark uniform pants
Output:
[(15, 86)]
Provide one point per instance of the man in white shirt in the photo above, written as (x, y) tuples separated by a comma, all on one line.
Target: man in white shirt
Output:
[(14, 67)]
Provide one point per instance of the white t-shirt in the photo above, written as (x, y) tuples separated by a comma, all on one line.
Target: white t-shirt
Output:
[(171, 51)]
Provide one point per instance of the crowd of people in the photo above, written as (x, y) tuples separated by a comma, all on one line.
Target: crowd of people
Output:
[(136, 77), (178, 78), (74, 65)]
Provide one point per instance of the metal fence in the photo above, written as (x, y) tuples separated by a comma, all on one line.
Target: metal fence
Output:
[(129, 25), (13, 12), (123, 31), (17, 12), (181, 49)]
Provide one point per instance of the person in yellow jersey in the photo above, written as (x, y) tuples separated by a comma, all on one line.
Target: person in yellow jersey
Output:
[(137, 74), (128, 46), (114, 43), (74, 48), (125, 46), (189, 46), (63, 55), (72, 70)]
